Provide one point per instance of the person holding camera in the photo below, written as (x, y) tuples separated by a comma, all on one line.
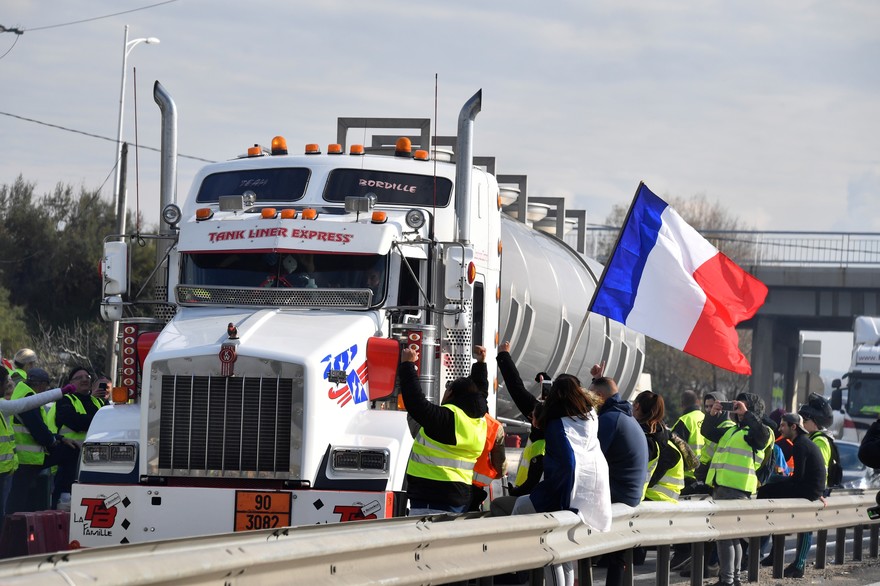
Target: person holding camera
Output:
[(733, 470)]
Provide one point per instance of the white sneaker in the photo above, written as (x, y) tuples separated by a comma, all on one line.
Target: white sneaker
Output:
[(63, 502)]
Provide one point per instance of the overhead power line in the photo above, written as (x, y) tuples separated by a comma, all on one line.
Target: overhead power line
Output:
[(107, 138), (42, 28)]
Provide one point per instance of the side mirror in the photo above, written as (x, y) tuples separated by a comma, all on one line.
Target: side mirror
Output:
[(836, 397), (835, 384), (114, 268), (460, 272), (383, 355)]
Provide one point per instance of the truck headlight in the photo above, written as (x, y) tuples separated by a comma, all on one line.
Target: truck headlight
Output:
[(97, 453), (359, 459)]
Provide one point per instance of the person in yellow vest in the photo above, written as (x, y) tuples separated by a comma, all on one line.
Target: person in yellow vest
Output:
[(38, 447), (665, 477), (23, 360), (440, 472), (72, 415), (9, 408), (733, 470), (531, 463)]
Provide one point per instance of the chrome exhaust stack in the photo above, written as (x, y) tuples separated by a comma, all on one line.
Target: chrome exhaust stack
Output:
[(464, 162)]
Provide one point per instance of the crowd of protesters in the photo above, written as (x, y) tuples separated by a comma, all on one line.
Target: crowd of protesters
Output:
[(41, 432), (588, 447)]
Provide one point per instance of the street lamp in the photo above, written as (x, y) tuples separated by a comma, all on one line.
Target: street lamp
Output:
[(117, 187), (119, 199)]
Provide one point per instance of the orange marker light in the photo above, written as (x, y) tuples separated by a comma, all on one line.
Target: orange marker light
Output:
[(499, 201), (500, 247), (279, 146), (356, 149), (204, 214), (498, 293), (119, 394), (379, 217), (313, 149), (403, 147), (255, 151), (421, 155), (309, 214), (268, 213), (288, 214), (471, 273), (334, 149)]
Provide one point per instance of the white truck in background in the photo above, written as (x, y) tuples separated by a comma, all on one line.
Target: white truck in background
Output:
[(859, 398), (257, 384)]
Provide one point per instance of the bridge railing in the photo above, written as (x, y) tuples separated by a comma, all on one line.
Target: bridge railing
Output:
[(437, 549), (770, 248)]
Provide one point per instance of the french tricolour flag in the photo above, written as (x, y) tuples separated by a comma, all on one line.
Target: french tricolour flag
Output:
[(667, 282)]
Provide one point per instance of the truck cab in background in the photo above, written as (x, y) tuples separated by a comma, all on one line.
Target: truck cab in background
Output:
[(858, 400)]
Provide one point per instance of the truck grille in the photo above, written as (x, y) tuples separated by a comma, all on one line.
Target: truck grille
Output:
[(226, 426)]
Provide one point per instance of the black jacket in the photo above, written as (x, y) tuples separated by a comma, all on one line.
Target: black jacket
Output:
[(808, 480), (66, 414), (869, 450), (438, 424), (525, 402)]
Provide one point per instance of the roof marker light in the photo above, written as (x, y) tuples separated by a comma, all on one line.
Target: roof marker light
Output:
[(255, 151), (421, 155), (288, 214), (379, 217), (334, 149), (313, 149), (204, 214), (268, 213), (309, 214), (356, 149), (279, 146), (403, 147)]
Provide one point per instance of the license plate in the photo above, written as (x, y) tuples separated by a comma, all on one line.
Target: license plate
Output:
[(262, 510)]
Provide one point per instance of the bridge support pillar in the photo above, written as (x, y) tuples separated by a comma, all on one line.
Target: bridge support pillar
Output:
[(761, 382)]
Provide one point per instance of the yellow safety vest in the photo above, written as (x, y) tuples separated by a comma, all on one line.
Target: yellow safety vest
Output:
[(8, 461), (668, 487), (735, 463), (692, 421), (821, 440), (436, 461), (79, 407), (709, 446), (531, 451), (28, 450)]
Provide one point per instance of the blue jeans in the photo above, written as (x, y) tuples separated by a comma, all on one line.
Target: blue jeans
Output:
[(729, 550)]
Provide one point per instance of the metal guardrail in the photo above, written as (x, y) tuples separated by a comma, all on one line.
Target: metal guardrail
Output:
[(771, 248), (427, 550)]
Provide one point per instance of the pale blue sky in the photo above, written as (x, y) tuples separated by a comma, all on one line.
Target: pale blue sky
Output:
[(770, 106)]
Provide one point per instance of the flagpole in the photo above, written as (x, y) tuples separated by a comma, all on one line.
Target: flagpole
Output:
[(616, 242)]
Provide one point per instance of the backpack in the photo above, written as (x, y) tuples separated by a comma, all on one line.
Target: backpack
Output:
[(835, 468), (688, 456), (773, 460)]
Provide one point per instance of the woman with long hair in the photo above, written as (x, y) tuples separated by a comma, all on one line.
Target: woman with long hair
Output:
[(665, 477), (575, 471)]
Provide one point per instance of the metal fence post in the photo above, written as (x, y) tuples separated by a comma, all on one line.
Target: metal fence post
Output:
[(840, 545), (858, 544), (821, 548)]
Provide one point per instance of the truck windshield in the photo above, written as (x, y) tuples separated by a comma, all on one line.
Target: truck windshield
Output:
[(296, 270), (863, 395), (393, 188), (285, 184)]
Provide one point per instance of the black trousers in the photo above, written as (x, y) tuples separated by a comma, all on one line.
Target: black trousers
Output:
[(27, 494)]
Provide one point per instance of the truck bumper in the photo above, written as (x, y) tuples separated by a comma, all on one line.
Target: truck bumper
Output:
[(116, 514)]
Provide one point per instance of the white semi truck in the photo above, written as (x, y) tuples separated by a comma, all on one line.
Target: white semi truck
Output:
[(257, 389), (859, 399)]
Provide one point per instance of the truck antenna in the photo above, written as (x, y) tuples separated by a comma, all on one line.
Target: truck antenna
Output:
[(434, 157)]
